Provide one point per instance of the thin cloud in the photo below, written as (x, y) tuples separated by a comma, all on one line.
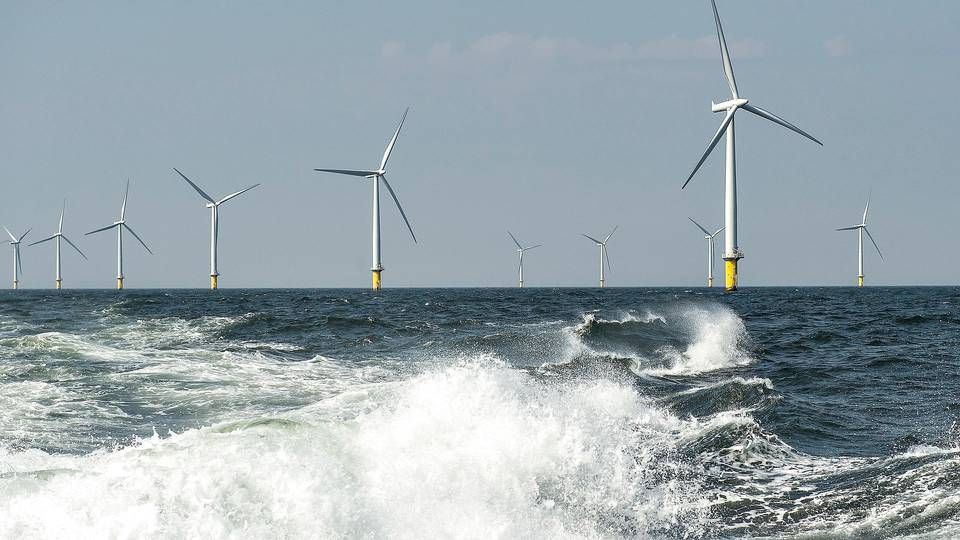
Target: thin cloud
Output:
[(838, 46), (508, 47)]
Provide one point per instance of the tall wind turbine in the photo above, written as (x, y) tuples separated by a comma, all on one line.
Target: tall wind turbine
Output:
[(59, 236), (603, 252), (17, 267), (862, 228), (120, 225), (378, 176), (732, 253), (711, 245), (520, 251), (214, 207)]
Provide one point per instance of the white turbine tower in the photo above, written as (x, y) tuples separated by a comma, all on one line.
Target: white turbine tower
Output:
[(711, 246), (120, 225), (379, 176), (214, 207), (58, 236), (603, 252), (862, 228), (520, 251), (732, 253), (17, 267)]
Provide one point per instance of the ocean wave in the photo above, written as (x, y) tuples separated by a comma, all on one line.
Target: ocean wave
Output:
[(477, 446)]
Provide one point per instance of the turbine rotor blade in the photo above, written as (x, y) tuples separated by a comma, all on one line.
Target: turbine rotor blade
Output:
[(123, 208), (706, 232), (393, 141), (232, 195), (724, 53), (777, 120), (19, 259), (196, 187), (615, 227), (864, 221), (866, 230), (47, 239), (606, 256), (532, 247), (396, 200), (101, 229), (10, 234), (720, 230), (137, 236), (599, 243), (515, 240), (855, 227), (62, 210), (349, 172), (74, 246), (24, 235), (713, 143)]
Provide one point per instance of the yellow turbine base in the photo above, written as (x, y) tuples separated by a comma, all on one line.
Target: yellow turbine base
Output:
[(119, 283), (730, 266), (376, 280), (213, 282), (59, 284), (709, 282), (859, 281), (15, 285), (601, 283)]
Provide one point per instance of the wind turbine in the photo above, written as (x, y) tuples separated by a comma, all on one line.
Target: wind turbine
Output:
[(214, 207), (862, 228), (711, 242), (732, 253), (17, 267), (120, 225), (603, 252), (58, 236), (520, 251), (379, 176)]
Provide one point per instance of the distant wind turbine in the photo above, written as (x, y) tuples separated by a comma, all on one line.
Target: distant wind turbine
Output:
[(120, 225), (603, 252), (59, 236), (17, 267), (711, 241), (862, 228), (379, 176), (214, 207), (732, 252), (520, 251)]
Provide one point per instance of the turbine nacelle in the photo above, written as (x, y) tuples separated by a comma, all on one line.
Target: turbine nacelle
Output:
[(728, 105)]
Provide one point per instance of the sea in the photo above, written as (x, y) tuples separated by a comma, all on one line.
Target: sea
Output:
[(481, 413)]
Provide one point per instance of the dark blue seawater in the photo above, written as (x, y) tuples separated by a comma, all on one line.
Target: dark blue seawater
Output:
[(488, 413)]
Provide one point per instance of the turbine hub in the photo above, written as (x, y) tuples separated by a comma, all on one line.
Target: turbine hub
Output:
[(727, 105)]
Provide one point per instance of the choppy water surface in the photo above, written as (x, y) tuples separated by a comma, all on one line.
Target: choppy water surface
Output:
[(538, 413)]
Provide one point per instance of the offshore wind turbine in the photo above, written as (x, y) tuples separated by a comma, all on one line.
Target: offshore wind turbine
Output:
[(58, 236), (862, 228), (603, 252), (520, 251), (214, 207), (378, 176), (120, 225), (17, 266), (711, 245), (731, 252)]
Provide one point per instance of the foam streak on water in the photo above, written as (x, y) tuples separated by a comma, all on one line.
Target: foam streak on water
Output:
[(479, 414)]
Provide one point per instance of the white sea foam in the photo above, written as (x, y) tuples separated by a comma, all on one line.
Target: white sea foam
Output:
[(476, 449), (716, 337)]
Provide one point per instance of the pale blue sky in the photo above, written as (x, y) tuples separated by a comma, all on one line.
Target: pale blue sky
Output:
[(545, 118)]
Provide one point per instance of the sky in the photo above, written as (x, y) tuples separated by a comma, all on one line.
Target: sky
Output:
[(549, 119)]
